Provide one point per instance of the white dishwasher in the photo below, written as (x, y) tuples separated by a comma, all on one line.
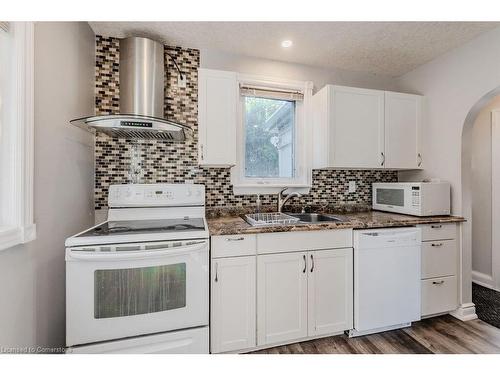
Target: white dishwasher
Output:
[(386, 279)]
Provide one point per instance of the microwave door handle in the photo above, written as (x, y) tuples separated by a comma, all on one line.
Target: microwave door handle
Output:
[(128, 255)]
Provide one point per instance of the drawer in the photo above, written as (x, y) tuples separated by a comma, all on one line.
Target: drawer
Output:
[(233, 245), (438, 231), (439, 295), (439, 258), (281, 242)]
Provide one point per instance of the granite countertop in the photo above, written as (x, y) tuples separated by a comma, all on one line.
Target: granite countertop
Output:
[(235, 224)]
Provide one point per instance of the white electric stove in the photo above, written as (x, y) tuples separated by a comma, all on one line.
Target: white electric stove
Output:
[(138, 283)]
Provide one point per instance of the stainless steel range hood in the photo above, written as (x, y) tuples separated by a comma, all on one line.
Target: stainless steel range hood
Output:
[(142, 72)]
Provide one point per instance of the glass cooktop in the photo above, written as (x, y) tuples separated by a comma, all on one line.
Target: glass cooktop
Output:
[(111, 228)]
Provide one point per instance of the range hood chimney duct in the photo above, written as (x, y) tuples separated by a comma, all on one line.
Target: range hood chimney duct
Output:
[(142, 72)]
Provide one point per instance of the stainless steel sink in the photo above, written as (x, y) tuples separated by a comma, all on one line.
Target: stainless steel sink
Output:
[(317, 218)]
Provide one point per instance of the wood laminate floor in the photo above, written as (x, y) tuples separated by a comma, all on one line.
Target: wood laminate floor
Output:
[(440, 335)]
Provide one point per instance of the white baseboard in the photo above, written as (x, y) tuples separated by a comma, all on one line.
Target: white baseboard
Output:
[(482, 279), (465, 312)]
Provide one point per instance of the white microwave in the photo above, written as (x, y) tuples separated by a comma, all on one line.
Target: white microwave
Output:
[(412, 198)]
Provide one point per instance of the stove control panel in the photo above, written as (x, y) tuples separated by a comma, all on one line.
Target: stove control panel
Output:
[(156, 195)]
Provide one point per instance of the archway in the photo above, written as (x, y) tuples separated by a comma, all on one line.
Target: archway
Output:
[(466, 178)]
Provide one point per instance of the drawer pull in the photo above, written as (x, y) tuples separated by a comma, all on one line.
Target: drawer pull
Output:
[(438, 226), (216, 272), (438, 282), (305, 264), (437, 244), (235, 239)]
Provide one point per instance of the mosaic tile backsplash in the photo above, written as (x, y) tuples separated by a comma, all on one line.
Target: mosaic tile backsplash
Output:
[(119, 161)]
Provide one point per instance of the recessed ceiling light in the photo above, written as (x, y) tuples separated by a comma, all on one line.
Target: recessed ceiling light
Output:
[(286, 43)]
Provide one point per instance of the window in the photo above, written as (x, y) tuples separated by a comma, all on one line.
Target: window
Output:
[(272, 137), (16, 133), (269, 138)]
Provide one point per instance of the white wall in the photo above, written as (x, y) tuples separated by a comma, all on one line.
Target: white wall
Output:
[(481, 190), (32, 277), (453, 84), (214, 59)]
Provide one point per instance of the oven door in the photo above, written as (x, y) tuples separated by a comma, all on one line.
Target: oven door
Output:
[(135, 289)]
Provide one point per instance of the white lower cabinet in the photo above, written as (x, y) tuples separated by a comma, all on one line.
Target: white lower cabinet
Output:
[(330, 291), (439, 295), (439, 258), (281, 297), (440, 268), (264, 295), (303, 294), (233, 313)]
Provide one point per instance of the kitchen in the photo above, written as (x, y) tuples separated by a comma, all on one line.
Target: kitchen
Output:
[(138, 62), (230, 203)]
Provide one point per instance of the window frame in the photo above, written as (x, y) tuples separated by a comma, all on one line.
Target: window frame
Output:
[(302, 180), (16, 174)]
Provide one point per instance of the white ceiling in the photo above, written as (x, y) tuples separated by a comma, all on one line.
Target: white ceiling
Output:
[(389, 48)]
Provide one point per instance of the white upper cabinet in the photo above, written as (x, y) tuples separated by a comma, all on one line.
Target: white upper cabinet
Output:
[(217, 116), (361, 128), (349, 127), (403, 123)]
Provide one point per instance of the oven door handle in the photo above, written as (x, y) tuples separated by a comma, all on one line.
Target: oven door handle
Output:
[(141, 254)]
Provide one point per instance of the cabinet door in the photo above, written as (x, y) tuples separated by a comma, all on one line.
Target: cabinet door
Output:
[(330, 291), (281, 297), (403, 119), (217, 95), (357, 128), (233, 313)]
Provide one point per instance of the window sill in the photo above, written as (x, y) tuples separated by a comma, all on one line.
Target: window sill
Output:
[(11, 236), (254, 189)]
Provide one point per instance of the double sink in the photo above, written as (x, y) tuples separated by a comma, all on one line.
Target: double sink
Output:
[(279, 218)]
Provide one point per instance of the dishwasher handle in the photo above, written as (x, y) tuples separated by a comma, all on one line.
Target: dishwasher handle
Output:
[(373, 239)]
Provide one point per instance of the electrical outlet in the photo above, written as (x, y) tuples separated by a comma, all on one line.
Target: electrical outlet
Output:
[(181, 81), (352, 186)]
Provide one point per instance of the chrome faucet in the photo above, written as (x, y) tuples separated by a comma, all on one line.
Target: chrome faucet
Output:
[(282, 199)]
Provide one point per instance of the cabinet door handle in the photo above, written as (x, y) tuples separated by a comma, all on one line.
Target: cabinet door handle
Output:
[(312, 263), (216, 272), (437, 244), (438, 282), (419, 159), (235, 239), (201, 150), (305, 264), (383, 159), (436, 226)]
